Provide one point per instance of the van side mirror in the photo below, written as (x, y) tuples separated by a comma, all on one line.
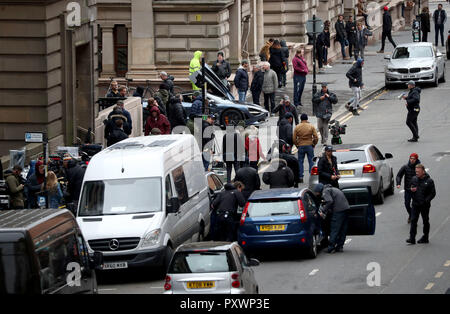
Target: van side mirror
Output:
[(173, 205), (388, 156), (253, 262), (96, 260)]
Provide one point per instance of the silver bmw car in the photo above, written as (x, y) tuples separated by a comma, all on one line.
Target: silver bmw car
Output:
[(420, 62), (361, 165)]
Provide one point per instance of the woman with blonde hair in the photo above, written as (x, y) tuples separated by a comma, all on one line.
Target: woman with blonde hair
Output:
[(55, 195)]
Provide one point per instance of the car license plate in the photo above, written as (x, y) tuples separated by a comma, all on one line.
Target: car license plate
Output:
[(272, 227), (120, 265), (347, 172), (200, 284), (409, 76)]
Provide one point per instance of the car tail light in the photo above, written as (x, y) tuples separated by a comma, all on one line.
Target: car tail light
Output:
[(236, 283), (369, 168), (314, 171), (167, 285), (244, 213), (301, 210)]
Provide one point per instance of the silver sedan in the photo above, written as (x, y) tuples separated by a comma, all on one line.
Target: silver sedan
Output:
[(419, 62), (361, 165), (210, 268)]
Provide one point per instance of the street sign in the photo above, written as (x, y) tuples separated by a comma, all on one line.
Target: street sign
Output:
[(35, 137), (310, 26)]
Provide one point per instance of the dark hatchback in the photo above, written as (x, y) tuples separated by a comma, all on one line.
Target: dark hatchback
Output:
[(287, 218), (223, 104), (42, 251)]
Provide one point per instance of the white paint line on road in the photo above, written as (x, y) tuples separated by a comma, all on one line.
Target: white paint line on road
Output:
[(447, 264), (427, 169), (429, 286), (315, 271), (439, 159), (111, 289), (156, 287), (439, 274), (378, 214), (348, 241)]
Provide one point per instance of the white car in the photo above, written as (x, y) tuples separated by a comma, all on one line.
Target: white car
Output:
[(210, 268), (419, 62)]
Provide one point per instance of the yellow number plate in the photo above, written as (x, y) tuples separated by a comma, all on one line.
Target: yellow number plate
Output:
[(200, 284), (347, 172), (272, 227)]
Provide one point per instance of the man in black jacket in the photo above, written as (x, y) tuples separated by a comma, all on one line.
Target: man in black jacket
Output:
[(176, 113), (284, 107), (408, 171), (278, 175), (323, 101), (222, 68), (257, 84), (74, 175), (225, 205), (241, 80), (292, 163), (355, 82), (233, 151), (350, 29), (387, 29), (423, 192), (327, 168), (413, 106), (117, 134), (439, 18), (250, 178), (341, 35), (285, 130)]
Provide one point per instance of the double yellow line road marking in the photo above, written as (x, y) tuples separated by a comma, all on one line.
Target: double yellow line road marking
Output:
[(363, 106)]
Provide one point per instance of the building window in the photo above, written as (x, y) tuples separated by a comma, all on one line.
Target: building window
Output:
[(121, 50)]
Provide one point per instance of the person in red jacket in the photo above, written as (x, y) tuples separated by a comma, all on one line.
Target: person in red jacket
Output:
[(157, 120), (300, 71)]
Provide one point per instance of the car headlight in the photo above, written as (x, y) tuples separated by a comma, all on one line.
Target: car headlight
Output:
[(392, 70), (426, 69), (151, 238), (254, 112)]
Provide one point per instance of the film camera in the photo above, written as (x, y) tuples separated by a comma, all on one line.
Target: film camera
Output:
[(336, 129)]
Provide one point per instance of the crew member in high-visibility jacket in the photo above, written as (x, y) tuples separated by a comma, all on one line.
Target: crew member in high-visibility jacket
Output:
[(195, 66)]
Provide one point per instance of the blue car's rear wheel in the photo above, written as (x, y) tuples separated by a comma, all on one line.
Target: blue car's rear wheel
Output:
[(314, 249)]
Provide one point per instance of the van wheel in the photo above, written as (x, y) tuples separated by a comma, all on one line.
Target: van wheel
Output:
[(312, 252), (379, 198), (167, 259)]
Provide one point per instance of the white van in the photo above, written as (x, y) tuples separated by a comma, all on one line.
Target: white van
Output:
[(142, 198)]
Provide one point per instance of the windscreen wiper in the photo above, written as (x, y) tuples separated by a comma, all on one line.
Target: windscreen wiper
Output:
[(278, 214), (349, 161)]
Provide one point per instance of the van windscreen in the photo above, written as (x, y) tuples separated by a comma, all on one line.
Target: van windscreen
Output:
[(120, 197)]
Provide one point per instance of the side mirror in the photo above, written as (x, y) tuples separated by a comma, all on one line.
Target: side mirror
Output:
[(315, 158), (96, 260), (253, 262), (388, 156), (439, 54), (387, 57), (173, 205)]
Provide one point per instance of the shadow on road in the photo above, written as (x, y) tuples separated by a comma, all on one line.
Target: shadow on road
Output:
[(138, 275)]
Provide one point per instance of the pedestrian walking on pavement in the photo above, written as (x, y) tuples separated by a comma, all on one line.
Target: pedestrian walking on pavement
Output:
[(222, 68), (423, 192), (334, 203), (278, 175), (408, 171), (323, 102), (326, 43), (439, 18), (285, 61), (284, 107), (350, 29), (341, 35), (425, 25), (270, 86), (300, 71), (413, 107), (241, 81), (305, 138), (387, 29), (361, 40), (250, 179), (233, 151), (276, 60), (195, 65), (328, 169), (225, 205), (257, 84), (355, 82), (362, 11)]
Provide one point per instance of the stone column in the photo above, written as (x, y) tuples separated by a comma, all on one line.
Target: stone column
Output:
[(142, 40), (259, 24), (235, 34), (108, 52), (253, 47)]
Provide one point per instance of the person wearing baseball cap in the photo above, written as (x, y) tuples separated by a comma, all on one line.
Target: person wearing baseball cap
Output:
[(387, 29), (408, 171), (284, 107), (413, 106), (327, 168)]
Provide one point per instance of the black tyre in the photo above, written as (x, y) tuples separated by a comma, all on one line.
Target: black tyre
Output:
[(201, 233), (391, 189), (379, 198), (436, 79), (443, 76), (231, 117), (167, 258), (314, 249)]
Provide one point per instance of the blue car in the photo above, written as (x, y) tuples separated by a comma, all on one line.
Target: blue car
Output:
[(287, 218), (281, 218)]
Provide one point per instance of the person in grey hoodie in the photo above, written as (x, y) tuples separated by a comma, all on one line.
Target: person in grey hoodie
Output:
[(334, 203), (270, 85)]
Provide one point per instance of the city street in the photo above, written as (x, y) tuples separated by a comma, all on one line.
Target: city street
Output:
[(404, 269)]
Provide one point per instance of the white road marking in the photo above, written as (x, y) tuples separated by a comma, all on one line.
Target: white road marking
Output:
[(112, 289), (378, 214), (429, 286), (427, 169), (348, 241), (439, 159), (156, 287), (439, 274), (447, 264), (315, 271)]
